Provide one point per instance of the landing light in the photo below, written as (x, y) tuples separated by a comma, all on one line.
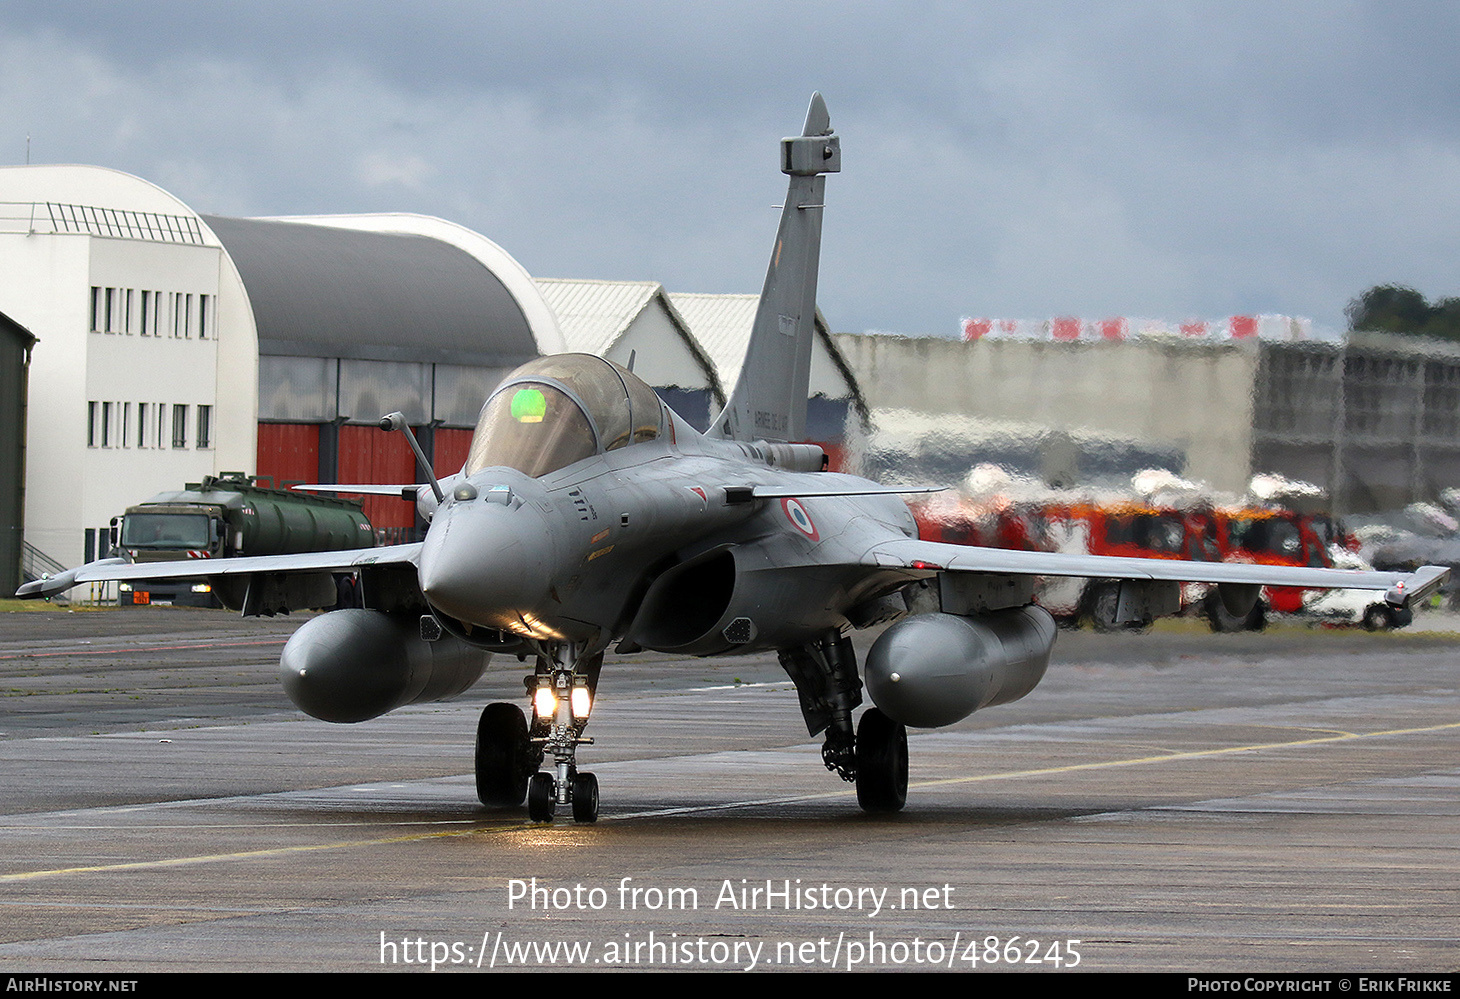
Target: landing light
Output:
[(581, 701), (545, 702)]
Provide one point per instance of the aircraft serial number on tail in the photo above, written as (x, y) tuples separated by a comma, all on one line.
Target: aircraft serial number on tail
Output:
[(771, 424)]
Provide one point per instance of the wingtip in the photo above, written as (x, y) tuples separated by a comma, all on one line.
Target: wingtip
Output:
[(1420, 584)]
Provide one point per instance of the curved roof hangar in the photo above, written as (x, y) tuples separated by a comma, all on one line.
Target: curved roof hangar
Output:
[(326, 291)]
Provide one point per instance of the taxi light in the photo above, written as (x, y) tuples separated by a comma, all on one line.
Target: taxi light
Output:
[(545, 702), (581, 702)]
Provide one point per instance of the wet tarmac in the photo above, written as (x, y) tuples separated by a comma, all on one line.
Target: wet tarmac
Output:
[(1174, 801)]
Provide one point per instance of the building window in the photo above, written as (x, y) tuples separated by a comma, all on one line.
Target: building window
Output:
[(159, 422), (205, 427), (153, 325), (106, 424), (91, 424), (127, 313), (142, 424), (126, 415), (204, 325), (179, 426), (97, 316), (110, 320)]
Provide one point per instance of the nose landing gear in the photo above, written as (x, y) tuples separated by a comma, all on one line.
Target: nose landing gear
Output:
[(510, 751)]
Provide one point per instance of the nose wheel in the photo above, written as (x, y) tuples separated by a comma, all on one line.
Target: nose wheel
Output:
[(542, 798), (585, 798), (562, 694)]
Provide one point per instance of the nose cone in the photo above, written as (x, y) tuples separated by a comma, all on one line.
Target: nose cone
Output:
[(488, 564)]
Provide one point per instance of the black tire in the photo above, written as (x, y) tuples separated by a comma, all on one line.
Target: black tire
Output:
[(503, 755), (881, 763), (1379, 617), (347, 592), (1223, 620), (541, 801), (585, 798)]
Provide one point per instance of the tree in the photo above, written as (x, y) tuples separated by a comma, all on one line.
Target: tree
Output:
[(1394, 308)]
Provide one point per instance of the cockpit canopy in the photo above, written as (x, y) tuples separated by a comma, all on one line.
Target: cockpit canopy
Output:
[(560, 409)]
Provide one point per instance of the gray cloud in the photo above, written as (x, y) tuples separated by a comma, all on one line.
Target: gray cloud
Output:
[(1148, 159)]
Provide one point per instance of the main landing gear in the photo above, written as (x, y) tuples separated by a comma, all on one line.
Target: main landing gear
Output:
[(509, 751), (505, 755), (875, 758)]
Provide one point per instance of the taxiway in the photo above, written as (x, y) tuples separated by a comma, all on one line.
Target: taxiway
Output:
[(1172, 801)]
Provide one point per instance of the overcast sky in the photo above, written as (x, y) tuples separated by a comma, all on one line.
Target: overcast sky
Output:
[(1024, 160)]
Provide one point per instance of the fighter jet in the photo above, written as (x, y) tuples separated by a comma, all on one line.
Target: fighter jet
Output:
[(590, 518)]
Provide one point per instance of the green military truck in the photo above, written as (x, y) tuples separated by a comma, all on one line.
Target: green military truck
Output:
[(226, 516)]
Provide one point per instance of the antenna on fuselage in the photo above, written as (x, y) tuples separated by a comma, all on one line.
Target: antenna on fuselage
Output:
[(769, 400)]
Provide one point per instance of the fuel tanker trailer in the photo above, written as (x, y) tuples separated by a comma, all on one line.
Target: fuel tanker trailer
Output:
[(226, 517)]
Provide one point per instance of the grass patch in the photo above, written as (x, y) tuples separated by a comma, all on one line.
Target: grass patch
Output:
[(10, 605)]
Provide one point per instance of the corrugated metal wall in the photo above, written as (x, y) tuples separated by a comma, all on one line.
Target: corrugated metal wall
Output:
[(313, 447), (369, 454), (451, 446), (289, 452), (296, 452)]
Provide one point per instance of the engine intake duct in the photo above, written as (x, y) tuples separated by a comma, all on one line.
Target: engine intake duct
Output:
[(935, 669), (352, 665), (685, 608)]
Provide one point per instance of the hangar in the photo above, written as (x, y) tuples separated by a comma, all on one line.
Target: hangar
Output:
[(357, 316), (634, 324), (837, 406)]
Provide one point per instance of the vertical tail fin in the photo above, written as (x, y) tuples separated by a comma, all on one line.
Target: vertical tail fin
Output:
[(769, 400)]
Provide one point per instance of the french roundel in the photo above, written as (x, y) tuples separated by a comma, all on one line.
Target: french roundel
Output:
[(799, 518)]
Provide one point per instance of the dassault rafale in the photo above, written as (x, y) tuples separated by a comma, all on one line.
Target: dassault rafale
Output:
[(590, 517)]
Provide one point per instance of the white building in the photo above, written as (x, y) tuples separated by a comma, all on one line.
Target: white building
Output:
[(146, 371)]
